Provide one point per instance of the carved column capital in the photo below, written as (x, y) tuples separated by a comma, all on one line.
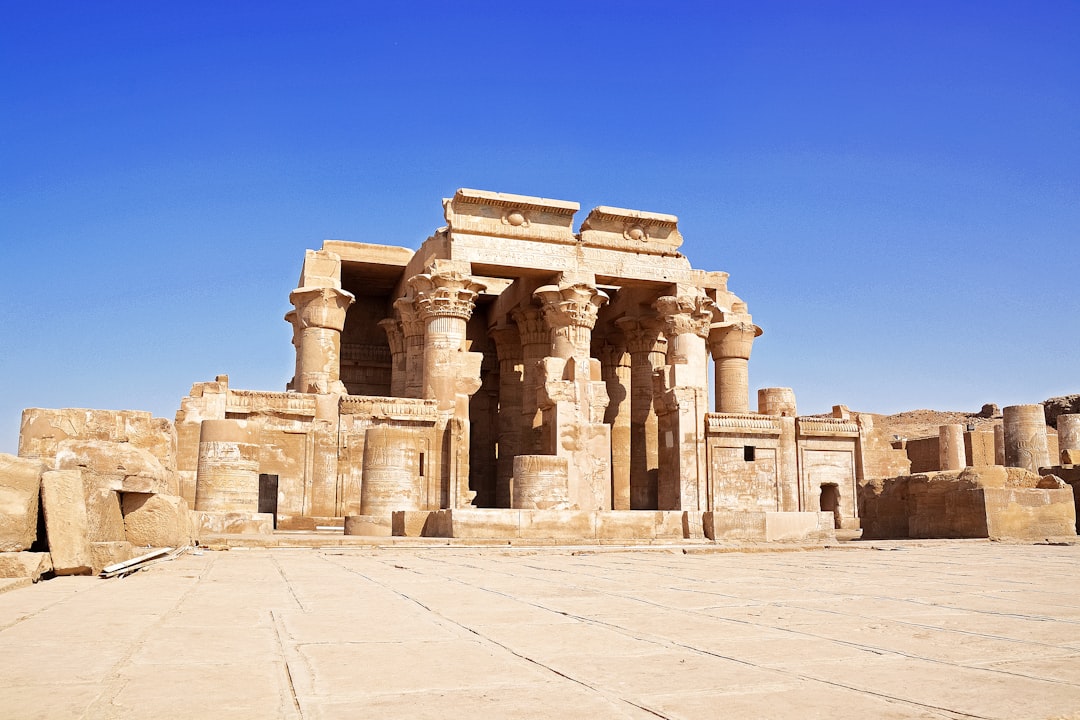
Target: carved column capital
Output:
[(531, 327), (733, 339), (321, 307), (445, 293), (643, 334), (685, 314), (394, 335), (507, 339), (574, 304)]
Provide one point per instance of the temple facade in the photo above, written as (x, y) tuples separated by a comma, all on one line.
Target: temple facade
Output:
[(511, 364)]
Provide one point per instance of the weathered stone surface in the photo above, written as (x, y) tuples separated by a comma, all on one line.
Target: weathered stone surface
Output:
[(753, 526), (156, 520), (104, 554), (20, 483), (25, 564), (64, 503), (369, 525), (409, 523), (205, 522), (44, 430), (105, 521), (116, 466), (991, 501)]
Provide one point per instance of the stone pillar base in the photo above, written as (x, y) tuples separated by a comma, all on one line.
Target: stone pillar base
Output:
[(232, 523)]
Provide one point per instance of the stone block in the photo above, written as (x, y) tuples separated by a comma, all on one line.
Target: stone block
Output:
[(64, 504), (690, 524), (104, 554), (556, 524), (113, 465), (368, 525), (798, 526), (628, 524), (20, 485), (409, 523), (231, 523), (25, 564), (1029, 512), (156, 520), (721, 525), (105, 521), (1070, 457)]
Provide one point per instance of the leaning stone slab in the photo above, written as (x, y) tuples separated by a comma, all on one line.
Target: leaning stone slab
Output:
[(64, 503), (25, 565), (409, 523), (156, 520), (104, 519), (20, 483)]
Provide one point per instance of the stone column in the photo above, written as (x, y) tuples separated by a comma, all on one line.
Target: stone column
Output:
[(616, 371), (540, 483), (777, 401), (682, 395), (730, 345), (1025, 437), (320, 313), (398, 367), (1068, 427), (573, 396), (445, 298), (412, 333), (648, 349), (951, 448), (391, 472), (227, 479), (507, 341), (535, 346)]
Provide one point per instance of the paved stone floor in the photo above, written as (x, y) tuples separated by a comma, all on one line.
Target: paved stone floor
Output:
[(937, 630)]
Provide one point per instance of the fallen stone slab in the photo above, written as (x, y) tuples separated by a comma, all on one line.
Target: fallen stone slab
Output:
[(20, 484), (231, 523), (114, 465), (25, 565), (64, 504), (104, 519)]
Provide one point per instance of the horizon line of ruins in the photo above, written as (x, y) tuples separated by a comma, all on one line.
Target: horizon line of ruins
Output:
[(512, 378)]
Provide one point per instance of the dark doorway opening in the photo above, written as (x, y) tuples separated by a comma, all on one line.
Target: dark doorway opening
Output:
[(268, 495), (830, 501)]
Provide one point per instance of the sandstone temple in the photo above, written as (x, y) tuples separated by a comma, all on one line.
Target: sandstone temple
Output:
[(509, 379)]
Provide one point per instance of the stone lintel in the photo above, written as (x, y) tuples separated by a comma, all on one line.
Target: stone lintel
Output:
[(808, 427), (369, 253), (481, 212), (741, 424), (632, 230)]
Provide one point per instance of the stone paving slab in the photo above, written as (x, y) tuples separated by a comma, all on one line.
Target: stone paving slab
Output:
[(925, 630)]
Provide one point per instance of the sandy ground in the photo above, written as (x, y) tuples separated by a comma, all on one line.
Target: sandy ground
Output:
[(944, 629)]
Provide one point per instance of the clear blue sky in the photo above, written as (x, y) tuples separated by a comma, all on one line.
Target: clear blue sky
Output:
[(893, 186)]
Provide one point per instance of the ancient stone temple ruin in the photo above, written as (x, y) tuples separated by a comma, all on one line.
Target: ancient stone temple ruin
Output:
[(510, 379), (512, 374)]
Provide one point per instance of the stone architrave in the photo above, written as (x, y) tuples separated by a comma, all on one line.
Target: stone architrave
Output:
[(573, 396), (228, 474), (64, 504), (20, 484), (1025, 437), (647, 346), (951, 447), (445, 298), (1068, 428), (730, 342), (681, 390), (320, 315)]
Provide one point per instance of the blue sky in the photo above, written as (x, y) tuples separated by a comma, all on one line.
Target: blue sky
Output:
[(893, 186)]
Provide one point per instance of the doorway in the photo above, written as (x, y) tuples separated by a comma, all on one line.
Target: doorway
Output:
[(830, 501), (268, 494)]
